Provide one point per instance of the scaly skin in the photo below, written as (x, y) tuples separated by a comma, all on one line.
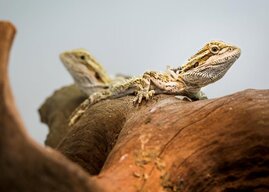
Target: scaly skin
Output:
[(205, 67), (88, 74)]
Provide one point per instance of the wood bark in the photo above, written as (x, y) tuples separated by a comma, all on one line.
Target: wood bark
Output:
[(165, 144), (56, 111), (25, 165), (171, 145)]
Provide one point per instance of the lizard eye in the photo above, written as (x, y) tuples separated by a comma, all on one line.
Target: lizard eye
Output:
[(196, 64), (214, 49), (82, 57)]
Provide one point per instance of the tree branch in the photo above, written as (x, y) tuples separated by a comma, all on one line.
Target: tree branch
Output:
[(24, 165), (167, 144)]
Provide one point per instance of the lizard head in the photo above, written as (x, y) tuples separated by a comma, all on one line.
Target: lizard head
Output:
[(210, 63), (84, 68)]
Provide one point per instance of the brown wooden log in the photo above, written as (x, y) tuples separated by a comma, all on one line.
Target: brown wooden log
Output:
[(25, 165), (56, 110), (171, 145)]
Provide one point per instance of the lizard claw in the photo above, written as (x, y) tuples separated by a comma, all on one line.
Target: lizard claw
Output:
[(183, 98), (143, 94)]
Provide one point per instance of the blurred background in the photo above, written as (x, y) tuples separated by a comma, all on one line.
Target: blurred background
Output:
[(130, 37)]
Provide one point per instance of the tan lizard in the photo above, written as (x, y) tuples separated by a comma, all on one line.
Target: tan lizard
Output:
[(89, 75), (205, 67)]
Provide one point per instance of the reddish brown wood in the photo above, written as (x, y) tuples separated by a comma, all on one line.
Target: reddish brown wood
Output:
[(170, 145), (212, 145), (24, 165)]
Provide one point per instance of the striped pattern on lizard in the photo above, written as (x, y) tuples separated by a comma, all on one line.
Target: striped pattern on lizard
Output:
[(207, 66)]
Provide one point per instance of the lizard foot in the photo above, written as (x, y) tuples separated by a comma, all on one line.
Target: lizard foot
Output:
[(143, 94), (183, 98), (200, 96), (193, 97)]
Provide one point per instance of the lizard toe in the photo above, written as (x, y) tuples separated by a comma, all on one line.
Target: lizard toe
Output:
[(143, 95), (183, 98)]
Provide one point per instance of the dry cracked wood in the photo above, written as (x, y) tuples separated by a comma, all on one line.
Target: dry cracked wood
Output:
[(211, 145)]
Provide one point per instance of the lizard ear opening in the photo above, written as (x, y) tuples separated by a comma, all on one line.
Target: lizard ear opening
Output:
[(97, 76)]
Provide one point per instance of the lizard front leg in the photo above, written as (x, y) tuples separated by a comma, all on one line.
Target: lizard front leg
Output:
[(173, 85), (142, 86), (154, 82), (200, 95), (138, 86), (165, 83)]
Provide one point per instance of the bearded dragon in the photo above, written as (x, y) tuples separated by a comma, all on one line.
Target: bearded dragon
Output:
[(207, 66), (87, 72)]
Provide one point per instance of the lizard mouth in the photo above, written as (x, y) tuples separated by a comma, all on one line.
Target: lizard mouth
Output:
[(213, 69), (64, 57), (219, 67), (229, 57)]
